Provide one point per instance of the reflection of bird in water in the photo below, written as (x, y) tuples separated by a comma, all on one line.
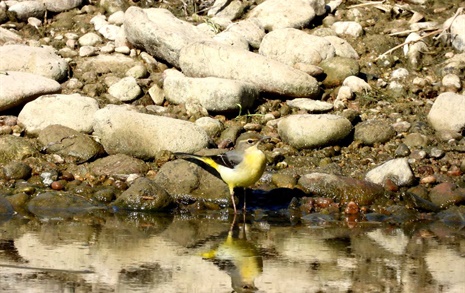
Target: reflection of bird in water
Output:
[(239, 258)]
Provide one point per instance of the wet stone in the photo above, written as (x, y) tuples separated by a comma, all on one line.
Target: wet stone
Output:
[(58, 205), (15, 148), (447, 194), (17, 170), (144, 195), (340, 188)]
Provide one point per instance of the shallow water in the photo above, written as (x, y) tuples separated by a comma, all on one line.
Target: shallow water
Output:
[(160, 253)]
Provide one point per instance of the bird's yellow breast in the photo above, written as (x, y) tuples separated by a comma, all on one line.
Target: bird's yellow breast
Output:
[(248, 171)]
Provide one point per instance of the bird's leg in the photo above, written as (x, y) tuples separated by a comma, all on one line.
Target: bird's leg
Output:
[(231, 190), (244, 207), (232, 225)]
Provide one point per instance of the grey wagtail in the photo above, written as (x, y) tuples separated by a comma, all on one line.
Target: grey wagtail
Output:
[(241, 167)]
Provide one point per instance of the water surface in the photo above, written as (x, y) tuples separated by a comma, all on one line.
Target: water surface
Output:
[(163, 253)]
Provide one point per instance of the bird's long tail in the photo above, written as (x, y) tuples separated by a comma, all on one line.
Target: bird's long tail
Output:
[(205, 160)]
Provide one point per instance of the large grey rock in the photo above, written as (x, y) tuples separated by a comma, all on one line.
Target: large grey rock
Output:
[(10, 37), (204, 59), (54, 204), (397, 170), (342, 47), (13, 148), (275, 14), (457, 31), (159, 32), (61, 5), (250, 30), (228, 9), (118, 165), (342, 189), (181, 179), (38, 60), (74, 111), (313, 130), (291, 46), (232, 39), (214, 94), (121, 131), (374, 131), (18, 88), (118, 64), (144, 195), (67, 142), (448, 112), (24, 10)]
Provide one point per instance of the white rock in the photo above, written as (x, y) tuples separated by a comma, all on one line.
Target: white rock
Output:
[(18, 88), (74, 111), (137, 71), (157, 94), (250, 30), (452, 82), (313, 130), (457, 31), (125, 90), (214, 94), (212, 59), (26, 9), (310, 105), (120, 131), (227, 9), (116, 63), (110, 31), (86, 51), (447, 112), (61, 5), (159, 32), (356, 84), (99, 21), (342, 47), (10, 37), (38, 60), (212, 127), (291, 46), (343, 95), (276, 14), (232, 39), (108, 48), (399, 74), (116, 18), (89, 39), (397, 170), (350, 28)]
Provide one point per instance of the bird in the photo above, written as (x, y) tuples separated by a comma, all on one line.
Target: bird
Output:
[(241, 167)]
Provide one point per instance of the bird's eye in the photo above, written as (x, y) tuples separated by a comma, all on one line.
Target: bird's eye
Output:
[(250, 141)]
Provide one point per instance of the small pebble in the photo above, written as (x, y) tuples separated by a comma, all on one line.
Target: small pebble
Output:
[(352, 208)]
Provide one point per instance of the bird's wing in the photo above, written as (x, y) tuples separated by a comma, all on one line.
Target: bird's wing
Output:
[(230, 159)]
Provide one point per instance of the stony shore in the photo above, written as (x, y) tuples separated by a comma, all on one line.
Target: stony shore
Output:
[(364, 104)]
